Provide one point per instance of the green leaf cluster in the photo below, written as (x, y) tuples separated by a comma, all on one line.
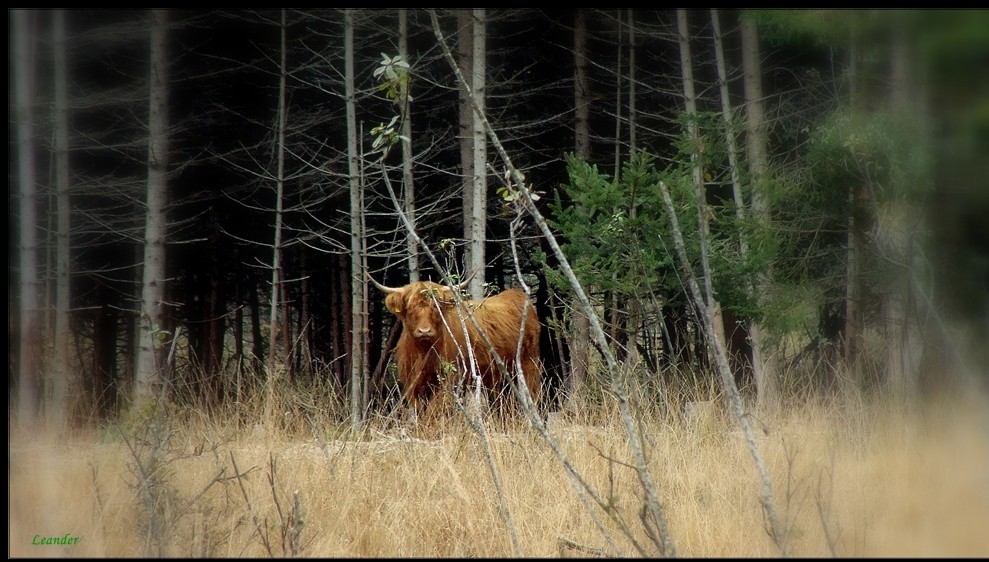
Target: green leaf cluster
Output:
[(393, 72)]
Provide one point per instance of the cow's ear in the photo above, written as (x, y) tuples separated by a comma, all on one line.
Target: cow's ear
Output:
[(394, 302)]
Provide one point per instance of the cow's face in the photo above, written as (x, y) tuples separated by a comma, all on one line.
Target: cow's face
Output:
[(418, 305)]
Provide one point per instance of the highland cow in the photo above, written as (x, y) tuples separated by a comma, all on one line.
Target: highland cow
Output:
[(438, 335)]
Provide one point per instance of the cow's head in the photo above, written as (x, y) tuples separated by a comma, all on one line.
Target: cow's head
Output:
[(418, 306)]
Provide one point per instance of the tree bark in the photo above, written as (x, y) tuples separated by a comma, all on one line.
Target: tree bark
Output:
[(618, 100), (897, 220), (358, 287), (580, 342), (154, 337), (858, 202), (763, 362), (476, 237), (764, 365), (631, 82), (408, 185), (273, 369), (712, 306), (67, 383), (29, 336), (465, 58)]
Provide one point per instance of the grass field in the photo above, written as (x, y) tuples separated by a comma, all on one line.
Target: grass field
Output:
[(849, 480)]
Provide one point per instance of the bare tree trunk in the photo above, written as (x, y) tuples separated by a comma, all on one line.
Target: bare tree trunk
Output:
[(239, 339), (341, 318), (897, 221), (358, 370), (618, 101), (582, 87), (274, 370), (408, 187), (478, 222), (67, 383), (613, 314), (465, 58), (634, 318), (288, 349), (690, 102), (631, 81), (580, 343), (764, 366), (151, 375), (257, 340), (858, 199), (29, 337)]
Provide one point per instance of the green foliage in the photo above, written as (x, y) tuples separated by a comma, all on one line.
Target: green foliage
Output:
[(612, 227), (386, 135), (881, 155), (619, 238), (887, 151), (833, 29), (393, 72), (511, 191)]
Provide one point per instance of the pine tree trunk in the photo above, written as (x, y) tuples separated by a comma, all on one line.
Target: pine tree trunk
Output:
[(358, 306), (764, 367), (478, 223), (340, 321), (858, 200), (408, 186), (631, 81), (151, 370), (713, 307), (580, 344), (29, 337), (465, 59), (897, 221), (618, 100), (67, 384), (272, 367)]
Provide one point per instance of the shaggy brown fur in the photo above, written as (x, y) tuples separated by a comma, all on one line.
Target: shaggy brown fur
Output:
[(433, 348)]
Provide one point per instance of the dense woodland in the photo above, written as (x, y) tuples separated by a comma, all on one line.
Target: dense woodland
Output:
[(195, 197)]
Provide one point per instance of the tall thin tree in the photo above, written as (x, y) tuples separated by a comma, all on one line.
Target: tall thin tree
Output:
[(897, 221), (618, 98), (580, 344), (765, 385), (275, 371), (150, 376), (465, 58), (408, 185), (697, 166), (65, 379), (476, 231), (29, 337), (764, 366), (358, 335)]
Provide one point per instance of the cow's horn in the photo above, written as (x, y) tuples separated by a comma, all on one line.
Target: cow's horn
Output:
[(381, 287), (463, 284)]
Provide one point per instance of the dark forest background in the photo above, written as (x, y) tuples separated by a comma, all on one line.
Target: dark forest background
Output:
[(860, 255)]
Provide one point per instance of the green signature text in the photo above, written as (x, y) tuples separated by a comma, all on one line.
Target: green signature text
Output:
[(67, 539)]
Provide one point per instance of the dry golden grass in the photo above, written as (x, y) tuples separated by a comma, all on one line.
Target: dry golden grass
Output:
[(849, 481)]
